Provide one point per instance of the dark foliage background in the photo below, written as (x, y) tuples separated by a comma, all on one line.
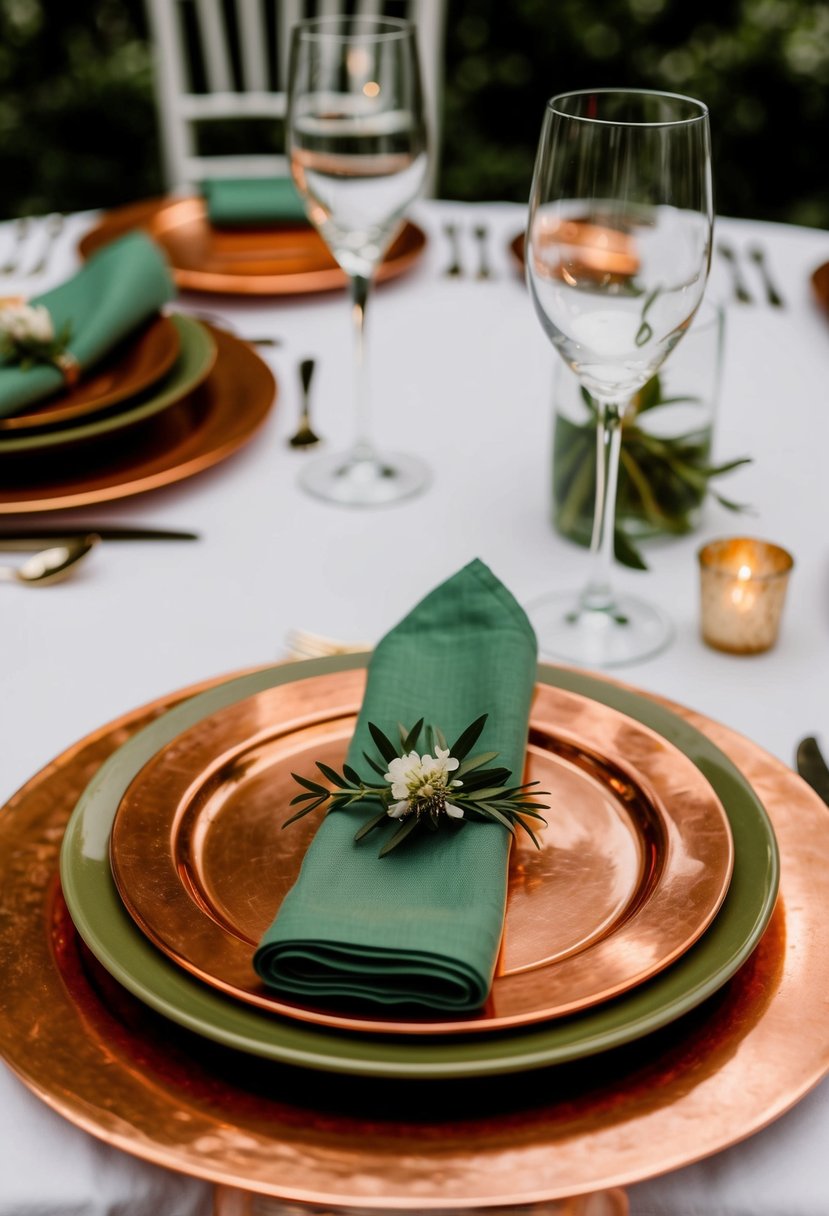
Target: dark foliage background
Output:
[(78, 124)]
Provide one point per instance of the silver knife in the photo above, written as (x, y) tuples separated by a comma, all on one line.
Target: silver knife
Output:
[(24, 538), (812, 767)]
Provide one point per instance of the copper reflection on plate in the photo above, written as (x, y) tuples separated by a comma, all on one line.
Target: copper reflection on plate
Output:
[(285, 259), (579, 252), (113, 1067), (132, 367), (194, 434), (634, 861)]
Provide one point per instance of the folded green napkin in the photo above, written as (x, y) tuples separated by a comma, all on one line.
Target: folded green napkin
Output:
[(423, 924), (237, 202), (118, 288)]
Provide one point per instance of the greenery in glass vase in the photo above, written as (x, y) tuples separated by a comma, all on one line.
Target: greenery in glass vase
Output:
[(662, 480)]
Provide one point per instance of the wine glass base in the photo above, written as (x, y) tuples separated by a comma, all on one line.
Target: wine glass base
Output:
[(361, 481), (627, 632)]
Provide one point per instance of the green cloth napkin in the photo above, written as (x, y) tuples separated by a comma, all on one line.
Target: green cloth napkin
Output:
[(251, 202), (422, 925), (119, 287)]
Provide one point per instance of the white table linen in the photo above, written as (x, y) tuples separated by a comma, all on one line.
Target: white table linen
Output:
[(462, 375)]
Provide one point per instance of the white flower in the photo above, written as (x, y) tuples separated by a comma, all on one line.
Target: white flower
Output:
[(416, 778), (27, 323)]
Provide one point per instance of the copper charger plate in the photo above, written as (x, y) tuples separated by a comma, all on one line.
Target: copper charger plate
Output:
[(127, 371), (634, 862), (286, 259), (194, 434), (113, 1067)]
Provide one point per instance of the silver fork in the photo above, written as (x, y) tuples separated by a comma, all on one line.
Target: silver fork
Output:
[(54, 227), (482, 236), (20, 232), (758, 257), (454, 270), (302, 644), (728, 255)]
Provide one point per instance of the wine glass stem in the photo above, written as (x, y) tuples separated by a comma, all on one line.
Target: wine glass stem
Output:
[(362, 448), (598, 594)]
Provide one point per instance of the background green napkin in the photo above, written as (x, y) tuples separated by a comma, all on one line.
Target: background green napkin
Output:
[(236, 202), (118, 289), (422, 925)]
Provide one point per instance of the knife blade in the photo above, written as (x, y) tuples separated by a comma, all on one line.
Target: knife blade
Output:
[(22, 538), (812, 767)]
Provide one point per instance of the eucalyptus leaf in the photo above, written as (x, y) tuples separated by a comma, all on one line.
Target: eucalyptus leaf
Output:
[(468, 738), (384, 746), (407, 826), (662, 482)]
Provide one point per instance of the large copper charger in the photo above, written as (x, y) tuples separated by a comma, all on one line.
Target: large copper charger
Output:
[(124, 1073)]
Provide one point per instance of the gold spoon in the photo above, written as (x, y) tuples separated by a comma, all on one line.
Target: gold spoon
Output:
[(305, 437), (50, 565)]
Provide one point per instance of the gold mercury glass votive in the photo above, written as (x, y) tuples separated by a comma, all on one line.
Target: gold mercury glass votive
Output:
[(742, 585)]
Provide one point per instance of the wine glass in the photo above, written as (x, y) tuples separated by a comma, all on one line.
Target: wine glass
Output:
[(618, 249), (357, 142)]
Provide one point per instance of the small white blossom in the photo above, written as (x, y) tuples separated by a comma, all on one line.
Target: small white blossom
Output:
[(454, 812), (27, 323), (421, 777)]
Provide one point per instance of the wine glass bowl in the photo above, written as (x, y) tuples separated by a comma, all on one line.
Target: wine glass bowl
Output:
[(358, 148), (618, 250)]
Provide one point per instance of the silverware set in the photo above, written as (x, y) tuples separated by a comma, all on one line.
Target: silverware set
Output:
[(57, 552), (50, 565), (303, 644), (32, 247), (455, 267), (305, 436), (758, 269)]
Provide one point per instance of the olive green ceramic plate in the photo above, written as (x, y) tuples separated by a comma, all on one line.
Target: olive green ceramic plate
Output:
[(197, 354), (112, 937)]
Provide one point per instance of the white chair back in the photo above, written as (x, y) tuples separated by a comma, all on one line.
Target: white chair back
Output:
[(239, 71)]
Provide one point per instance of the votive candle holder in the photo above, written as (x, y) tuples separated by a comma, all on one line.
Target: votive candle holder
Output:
[(743, 585)]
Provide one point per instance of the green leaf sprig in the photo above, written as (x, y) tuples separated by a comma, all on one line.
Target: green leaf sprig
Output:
[(444, 786), (662, 481)]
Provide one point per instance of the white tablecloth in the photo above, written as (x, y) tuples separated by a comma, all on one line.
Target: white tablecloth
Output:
[(461, 374)]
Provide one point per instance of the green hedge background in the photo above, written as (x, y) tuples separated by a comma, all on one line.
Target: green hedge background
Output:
[(78, 124)]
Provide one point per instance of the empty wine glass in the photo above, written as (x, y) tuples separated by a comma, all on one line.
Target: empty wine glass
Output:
[(618, 249), (357, 142)]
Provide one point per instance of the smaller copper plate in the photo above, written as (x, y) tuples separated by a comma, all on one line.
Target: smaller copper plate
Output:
[(286, 259), (634, 861), (194, 434), (131, 368)]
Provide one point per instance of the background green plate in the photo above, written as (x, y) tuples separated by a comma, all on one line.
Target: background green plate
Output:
[(123, 950), (197, 354)]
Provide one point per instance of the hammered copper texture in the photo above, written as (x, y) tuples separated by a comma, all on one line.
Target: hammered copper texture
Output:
[(634, 862), (194, 434), (286, 259), (113, 1067)]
